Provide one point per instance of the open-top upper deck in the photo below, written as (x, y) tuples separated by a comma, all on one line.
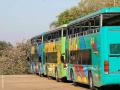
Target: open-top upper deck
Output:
[(101, 11), (55, 34)]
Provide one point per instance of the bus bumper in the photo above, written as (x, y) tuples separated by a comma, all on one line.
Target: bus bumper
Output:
[(111, 79)]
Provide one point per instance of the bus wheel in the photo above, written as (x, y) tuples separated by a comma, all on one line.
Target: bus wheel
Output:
[(72, 78), (42, 75), (56, 76), (49, 77), (71, 75), (39, 73), (46, 72), (91, 85)]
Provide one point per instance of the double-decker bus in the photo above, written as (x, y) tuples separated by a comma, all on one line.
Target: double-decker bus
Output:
[(93, 48), (33, 55), (54, 45), (40, 55)]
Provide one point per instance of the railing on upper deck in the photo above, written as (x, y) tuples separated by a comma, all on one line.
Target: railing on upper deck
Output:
[(87, 32)]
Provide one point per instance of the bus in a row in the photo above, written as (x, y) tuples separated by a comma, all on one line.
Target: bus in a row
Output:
[(86, 50)]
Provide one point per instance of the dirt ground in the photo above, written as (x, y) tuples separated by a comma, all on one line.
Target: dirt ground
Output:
[(33, 82)]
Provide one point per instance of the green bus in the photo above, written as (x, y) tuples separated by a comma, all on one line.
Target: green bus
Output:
[(54, 53), (93, 48)]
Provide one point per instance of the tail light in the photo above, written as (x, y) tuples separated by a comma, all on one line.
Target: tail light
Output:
[(106, 67)]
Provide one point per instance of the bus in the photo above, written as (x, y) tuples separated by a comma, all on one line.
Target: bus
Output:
[(54, 52), (40, 55), (93, 48), (33, 56)]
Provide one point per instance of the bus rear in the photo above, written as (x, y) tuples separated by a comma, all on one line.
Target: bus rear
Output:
[(110, 55)]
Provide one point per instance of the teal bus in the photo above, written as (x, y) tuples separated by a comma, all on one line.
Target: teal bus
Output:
[(40, 55), (93, 48)]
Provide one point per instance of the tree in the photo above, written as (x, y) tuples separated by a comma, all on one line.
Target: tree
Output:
[(3, 46), (14, 59), (83, 8), (53, 25)]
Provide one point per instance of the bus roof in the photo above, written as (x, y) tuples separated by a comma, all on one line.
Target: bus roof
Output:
[(35, 37), (62, 26), (104, 10)]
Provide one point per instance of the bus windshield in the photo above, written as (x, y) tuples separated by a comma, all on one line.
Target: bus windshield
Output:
[(111, 19)]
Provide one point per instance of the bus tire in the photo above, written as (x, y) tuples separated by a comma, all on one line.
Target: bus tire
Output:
[(46, 71), (39, 73), (72, 77), (49, 77), (91, 85), (56, 76)]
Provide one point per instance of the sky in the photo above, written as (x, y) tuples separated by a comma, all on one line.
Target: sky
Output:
[(23, 19)]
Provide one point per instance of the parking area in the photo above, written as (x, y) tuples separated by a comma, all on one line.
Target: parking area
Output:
[(33, 82)]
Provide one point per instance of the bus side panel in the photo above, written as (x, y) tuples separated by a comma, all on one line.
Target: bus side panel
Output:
[(42, 66), (95, 41), (38, 63), (63, 65), (52, 66), (91, 42), (46, 46), (67, 42), (81, 70), (34, 59)]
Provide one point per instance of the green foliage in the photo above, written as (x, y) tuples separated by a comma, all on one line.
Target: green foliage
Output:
[(84, 8)]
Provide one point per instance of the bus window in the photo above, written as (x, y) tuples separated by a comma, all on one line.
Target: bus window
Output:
[(111, 19), (64, 33), (51, 57), (77, 30), (62, 58), (75, 57), (46, 57), (71, 58), (114, 48), (86, 57), (69, 31), (58, 34), (39, 59), (67, 56)]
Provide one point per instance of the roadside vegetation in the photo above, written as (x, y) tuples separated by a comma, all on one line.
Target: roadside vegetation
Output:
[(13, 59)]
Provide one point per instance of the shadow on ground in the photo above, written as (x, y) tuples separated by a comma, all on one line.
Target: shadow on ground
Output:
[(111, 87), (115, 87)]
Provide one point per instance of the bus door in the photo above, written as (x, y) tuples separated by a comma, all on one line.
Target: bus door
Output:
[(113, 64)]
